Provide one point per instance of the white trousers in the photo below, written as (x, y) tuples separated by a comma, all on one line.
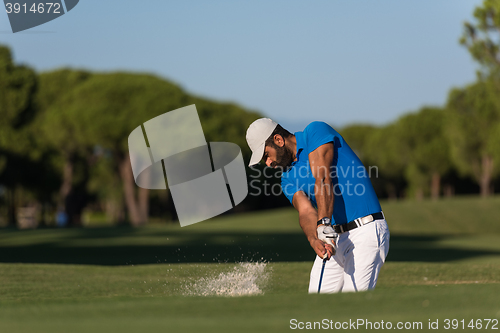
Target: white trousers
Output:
[(361, 253)]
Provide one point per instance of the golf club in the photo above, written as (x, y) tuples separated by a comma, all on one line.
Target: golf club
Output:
[(321, 276)]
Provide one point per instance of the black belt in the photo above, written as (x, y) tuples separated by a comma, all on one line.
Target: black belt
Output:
[(358, 222)]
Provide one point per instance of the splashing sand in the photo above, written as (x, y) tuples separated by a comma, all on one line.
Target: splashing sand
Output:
[(245, 279)]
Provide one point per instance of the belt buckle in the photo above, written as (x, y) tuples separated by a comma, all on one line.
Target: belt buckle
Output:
[(366, 219), (361, 221)]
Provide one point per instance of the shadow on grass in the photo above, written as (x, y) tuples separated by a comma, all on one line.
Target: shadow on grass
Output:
[(129, 246)]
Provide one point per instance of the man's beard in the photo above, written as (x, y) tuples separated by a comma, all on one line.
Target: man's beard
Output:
[(284, 157)]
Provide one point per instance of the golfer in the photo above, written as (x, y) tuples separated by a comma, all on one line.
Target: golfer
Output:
[(339, 211)]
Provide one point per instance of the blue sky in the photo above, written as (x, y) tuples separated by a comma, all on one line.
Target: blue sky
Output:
[(343, 62)]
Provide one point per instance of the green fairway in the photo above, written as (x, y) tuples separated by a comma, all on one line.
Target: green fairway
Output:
[(444, 263)]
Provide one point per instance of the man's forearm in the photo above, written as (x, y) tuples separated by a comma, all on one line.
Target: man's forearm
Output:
[(321, 167), (324, 197), (308, 223), (308, 220)]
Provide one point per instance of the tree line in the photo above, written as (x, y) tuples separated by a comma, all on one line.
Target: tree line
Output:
[(458, 140), (63, 138)]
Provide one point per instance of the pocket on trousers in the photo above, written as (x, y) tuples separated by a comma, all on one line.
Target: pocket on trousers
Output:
[(382, 231), (371, 238)]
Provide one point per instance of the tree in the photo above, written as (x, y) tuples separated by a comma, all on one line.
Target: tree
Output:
[(358, 137), (225, 122), (17, 150), (228, 122), (473, 126), (383, 150), (482, 39), (17, 86), (103, 111), (99, 111), (425, 148), (54, 129), (106, 186)]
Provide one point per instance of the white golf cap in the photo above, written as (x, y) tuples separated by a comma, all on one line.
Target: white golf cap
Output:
[(257, 134)]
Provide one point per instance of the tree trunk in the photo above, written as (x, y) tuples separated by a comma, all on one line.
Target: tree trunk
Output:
[(144, 203), (448, 190), (64, 191), (136, 208), (486, 175), (419, 194), (114, 211), (435, 185), (73, 197), (11, 218), (67, 182), (75, 203), (391, 192)]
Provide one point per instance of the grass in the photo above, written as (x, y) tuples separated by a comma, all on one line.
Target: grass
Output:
[(444, 262)]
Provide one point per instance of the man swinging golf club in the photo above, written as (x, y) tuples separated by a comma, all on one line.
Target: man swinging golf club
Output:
[(339, 211)]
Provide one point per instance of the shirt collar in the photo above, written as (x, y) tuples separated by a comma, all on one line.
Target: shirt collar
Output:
[(299, 137)]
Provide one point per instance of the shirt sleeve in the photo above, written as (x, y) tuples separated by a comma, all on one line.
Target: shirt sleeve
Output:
[(317, 134), (289, 189)]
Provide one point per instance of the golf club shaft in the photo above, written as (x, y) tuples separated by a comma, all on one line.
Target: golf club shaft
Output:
[(321, 276)]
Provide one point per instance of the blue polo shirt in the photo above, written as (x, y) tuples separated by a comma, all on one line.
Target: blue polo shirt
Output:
[(353, 190)]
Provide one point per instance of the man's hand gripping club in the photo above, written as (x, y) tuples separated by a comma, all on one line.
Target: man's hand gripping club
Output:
[(328, 237)]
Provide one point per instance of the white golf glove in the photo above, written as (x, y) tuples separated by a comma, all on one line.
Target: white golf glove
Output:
[(328, 236)]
